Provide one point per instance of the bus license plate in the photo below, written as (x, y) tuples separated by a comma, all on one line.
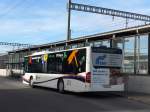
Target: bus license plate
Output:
[(106, 86)]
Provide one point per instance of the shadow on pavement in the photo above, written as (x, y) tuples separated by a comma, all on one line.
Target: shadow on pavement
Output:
[(92, 95)]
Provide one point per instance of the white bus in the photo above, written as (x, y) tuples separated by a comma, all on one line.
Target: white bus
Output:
[(86, 69)]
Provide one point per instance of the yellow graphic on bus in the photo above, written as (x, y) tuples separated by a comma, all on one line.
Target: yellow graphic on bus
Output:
[(45, 57), (73, 56)]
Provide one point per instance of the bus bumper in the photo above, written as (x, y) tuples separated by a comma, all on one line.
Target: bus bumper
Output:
[(105, 88)]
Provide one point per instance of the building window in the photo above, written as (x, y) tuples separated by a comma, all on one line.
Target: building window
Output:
[(140, 64), (105, 43), (142, 55), (128, 63)]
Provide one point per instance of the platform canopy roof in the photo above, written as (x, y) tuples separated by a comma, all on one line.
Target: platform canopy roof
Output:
[(121, 33)]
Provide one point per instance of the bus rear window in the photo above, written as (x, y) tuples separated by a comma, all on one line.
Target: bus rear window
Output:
[(106, 57)]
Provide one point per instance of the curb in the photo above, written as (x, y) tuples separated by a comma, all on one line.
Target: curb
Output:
[(138, 99)]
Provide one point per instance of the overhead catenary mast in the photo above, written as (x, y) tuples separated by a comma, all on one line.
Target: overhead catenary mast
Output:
[(104, 11), (69, 17)]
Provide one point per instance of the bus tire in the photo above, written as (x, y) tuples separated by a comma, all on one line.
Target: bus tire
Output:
[(31, 82), (60, 86)]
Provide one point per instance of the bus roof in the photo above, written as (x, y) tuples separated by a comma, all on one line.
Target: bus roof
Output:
[(47, 52)]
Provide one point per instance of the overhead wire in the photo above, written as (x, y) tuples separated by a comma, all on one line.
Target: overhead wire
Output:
[(120, 23), (22, 1)]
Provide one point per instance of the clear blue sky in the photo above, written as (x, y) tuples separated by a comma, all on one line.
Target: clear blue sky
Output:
[(44, 21)]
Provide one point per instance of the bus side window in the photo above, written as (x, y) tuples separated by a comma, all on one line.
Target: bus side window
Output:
[(58, 64), (36, 66), (51, 63), (82, 60)]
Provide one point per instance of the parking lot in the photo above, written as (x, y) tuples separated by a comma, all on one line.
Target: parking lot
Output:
[(16, 97)]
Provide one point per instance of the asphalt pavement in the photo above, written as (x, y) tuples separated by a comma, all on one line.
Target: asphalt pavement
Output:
[(17, 97)]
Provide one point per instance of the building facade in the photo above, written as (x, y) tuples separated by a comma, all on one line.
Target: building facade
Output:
[(135, 43)]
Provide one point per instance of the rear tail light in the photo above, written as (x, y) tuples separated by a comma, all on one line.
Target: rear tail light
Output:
[(115, 72), (88, 77), (125, 79)]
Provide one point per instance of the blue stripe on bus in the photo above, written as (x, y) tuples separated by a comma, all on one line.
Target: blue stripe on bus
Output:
[(80, 78), (45, 81)]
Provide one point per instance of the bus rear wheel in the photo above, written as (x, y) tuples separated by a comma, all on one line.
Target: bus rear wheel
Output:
[(60, 86)]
